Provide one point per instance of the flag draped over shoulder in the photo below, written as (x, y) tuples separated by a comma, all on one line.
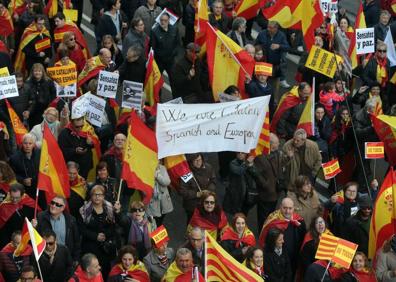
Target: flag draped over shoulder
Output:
[(228, 63), (263, 143), (385, 127), (88, 131), (384, 214), (8, 208), (287, 101), (307, 118), (137, 271), (174, 274), (153, 81), (17, 125), (221, 266), (6, 25), (247, 8), (53, 177), (72, 27), (92, 68), (140, 148), (360, 22)]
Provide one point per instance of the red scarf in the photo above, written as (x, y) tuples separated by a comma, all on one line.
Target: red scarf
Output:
[(113, 151), (247, 238), (334, 272), (73, 131), (364, 275), (382, 66), (197, 220), (82, 276), (8, 208)]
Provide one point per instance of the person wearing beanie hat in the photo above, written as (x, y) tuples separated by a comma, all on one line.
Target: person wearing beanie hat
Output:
[(356, 228)]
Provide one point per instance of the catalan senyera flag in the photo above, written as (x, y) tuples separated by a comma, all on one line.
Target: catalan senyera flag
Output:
[(53, 177), (307, 119), (327, 246), (383, 218), (153, 81), (385, 127), (31, 234), (140, 148), (360, 22), (263, 143), (177, 166), (221, 266), (6, 25), (228, 63), (344, 253), (17, 125), (247, 8)]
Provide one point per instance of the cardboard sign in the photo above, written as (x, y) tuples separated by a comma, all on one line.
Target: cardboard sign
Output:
[(43, 44), (331, 169), (187, 177), (95, 109), (66, 91), (71, 15), (344, 253), (107, 84), (374, 150), (227, 98), (63, 75), (4, 72), (8, 87), (132, 94), (365, 41), (323, 61)]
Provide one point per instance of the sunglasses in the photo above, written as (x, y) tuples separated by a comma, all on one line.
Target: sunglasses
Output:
[(56, 204), (381, 50), (209, 202), (50, 243), (138, 210)]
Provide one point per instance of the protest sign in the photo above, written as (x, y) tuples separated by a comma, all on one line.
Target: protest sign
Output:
[(172, 17), (8, 87), (178, 100), (63, 75), (4, 72), (374, 150), (333, 7), (71, 14), (190, 128), (107, 84), (132, 93), (323, 61), (79, 106), (95, 109), (331, 169), (66, 91), (344, 253), (324, 6), (227, 98), (365, 41)]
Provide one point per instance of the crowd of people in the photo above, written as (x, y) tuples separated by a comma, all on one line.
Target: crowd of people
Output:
[(103, 231)]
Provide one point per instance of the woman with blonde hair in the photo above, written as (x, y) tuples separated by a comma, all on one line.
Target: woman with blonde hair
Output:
[(109, 43), (360, 270), (76, 53)]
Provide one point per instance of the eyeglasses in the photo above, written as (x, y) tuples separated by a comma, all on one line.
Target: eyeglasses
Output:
[(209, 202), (50, 243), (98, 195), (138, 210), (56, 204), (381, 50), (195, 239)]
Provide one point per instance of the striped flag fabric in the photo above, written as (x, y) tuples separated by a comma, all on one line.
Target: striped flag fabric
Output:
[(247, 8), (200, 22), (153, 81), (385, 127), (140, 148), (344, 253), (228, 63), (177, 167), (327, 246), (18, 127), (360, 22), (307, 119), (287, 101), (53, 176), (88, 131), (221, 266), (30, 234), (263, 144)]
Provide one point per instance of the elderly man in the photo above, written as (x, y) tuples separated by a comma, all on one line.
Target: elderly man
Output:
[(305, 157), (113, 156), (195, 244), (182, 268), (293, 226), (78, 189), (63, 224), (88, 270)]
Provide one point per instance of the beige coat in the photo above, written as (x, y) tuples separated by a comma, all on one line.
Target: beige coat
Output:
[(307, 208), (386, 265)]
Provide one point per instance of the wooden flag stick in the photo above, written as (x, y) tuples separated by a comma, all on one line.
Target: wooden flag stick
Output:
[(119, 190)]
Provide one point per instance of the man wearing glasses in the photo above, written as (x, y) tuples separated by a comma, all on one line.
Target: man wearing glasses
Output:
[(62, 224), (377, 68)]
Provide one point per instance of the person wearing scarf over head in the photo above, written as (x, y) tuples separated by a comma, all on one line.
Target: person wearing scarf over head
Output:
[(208, 215), (237, 238), (255, 260), (360, 270), (128, 268)]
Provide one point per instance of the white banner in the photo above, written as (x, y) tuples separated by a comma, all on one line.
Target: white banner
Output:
[(227, 98), (95, 109), (390, 48), (191, 128), (132, 93), (178, 100), (8, 87), (66, 91), (107, 84), (365, 41)]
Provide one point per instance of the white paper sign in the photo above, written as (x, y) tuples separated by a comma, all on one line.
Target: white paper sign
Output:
[(191, 128), (178, 100), (66, 91), (333, 7), (79, 107), (227, 98), (365, 41), (8, 87), (187, 177), (95, 109), (172, 20), (107, 84), (324, 6), (132, 93)]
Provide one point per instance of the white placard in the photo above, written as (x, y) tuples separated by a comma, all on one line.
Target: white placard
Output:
[(365, 41), (324, 6), (66, 91), (178, 100), (132, 93), (191, 128), (227, 98), (8, 87), (172, 18), (107, 84), (95, 109), (187, 177), (333, 7), (79, 107)]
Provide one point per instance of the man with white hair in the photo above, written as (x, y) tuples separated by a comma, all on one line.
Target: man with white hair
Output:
[(182, 268), (305, 157)]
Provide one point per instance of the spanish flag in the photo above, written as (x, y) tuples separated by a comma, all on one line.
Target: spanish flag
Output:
[(137, 271), (80, 39), (221, 266), (382, 225), (153, 82), (287, 101), (30, 234), (6, 25), (263, 144), (200, 22), (247, 8), (92, 68), (174, 274), (385, 127), (140, 158), (360, 22), (88, 131), (228, 63), (51, 8), (177, 166), (17, 125), (17, 7), (53, 177), (307, 119)]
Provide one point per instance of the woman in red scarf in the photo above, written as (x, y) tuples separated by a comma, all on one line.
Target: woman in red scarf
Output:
[(128, 267), (208, 215), (255, 260), (237, 238), (360, 270)]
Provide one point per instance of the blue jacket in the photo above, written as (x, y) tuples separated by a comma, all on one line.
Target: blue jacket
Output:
[(273, 56)]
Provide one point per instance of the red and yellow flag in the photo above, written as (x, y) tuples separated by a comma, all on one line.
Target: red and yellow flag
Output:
[(247, 8), (92, 68), (307, 119), (30, 234), (51, 8), (80, 39), (17, 125), (382, 225), (177, 166), (263, 144), (53, 177), (153, 81), (331, 169), (174, 274), (221, 266), (287, 101), (228, 63), (200, 22), (360, 22), (327, 246), (344, 253), (17, 7), (6, 25), (385, 127), (88, 131), (140, 148)]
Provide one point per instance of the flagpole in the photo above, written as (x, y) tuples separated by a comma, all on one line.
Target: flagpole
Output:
[(229, 50), (196, 182), (36, 203), (324, 274), (39, 269), (119, 190), (206, 257)]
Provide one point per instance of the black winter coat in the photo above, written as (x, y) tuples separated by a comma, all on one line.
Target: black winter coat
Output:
[(277, 268), (165, 44)]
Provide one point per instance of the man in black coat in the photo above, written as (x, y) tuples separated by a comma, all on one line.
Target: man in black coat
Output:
[(371, 11), (62, 224)]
